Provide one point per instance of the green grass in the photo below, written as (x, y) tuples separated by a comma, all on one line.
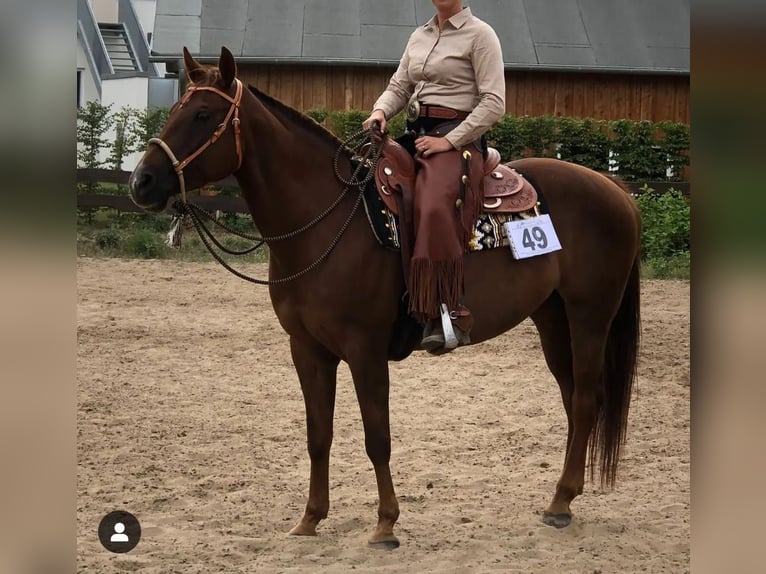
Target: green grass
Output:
[(108, 233), (675, 267)]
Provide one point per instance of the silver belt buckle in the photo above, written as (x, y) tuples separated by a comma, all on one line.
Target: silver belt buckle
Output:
[(413, 111)]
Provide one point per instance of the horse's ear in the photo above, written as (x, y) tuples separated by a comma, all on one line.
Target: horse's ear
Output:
[(193, 67), (227, 67)]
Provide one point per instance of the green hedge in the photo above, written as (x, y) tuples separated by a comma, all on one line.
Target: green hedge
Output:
[(635, 150)]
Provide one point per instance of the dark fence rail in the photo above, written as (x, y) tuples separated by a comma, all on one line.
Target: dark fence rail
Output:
[(229, 204)]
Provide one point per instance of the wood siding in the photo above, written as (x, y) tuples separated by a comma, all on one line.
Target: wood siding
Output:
[(601, 96)]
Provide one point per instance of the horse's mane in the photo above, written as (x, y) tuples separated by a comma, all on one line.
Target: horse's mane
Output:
[(294, 116), (285, 112)]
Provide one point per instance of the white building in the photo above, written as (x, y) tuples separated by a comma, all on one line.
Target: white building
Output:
[(113, 65)]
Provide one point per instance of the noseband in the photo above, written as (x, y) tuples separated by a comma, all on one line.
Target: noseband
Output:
[(179, 166)]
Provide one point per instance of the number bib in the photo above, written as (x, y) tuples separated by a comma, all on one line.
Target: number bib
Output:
[(533, 236)]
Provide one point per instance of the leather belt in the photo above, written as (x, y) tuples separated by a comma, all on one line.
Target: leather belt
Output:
[(416, 110)]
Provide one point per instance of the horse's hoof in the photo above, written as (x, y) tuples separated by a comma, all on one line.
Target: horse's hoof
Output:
[(301, 529), (390, 543), (556, 520)]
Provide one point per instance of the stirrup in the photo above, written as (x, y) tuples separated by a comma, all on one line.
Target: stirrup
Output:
[(450, 338)]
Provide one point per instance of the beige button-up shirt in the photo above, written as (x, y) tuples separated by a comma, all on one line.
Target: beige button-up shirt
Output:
[(459, 67)]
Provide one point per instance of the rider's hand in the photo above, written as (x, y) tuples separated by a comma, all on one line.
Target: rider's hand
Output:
[(375, 116), (428, 145)]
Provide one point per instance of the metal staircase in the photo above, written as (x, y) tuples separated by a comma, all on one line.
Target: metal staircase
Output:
[(118, 48)]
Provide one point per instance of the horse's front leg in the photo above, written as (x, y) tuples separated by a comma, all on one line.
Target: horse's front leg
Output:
[(370, 373), (317, 370)]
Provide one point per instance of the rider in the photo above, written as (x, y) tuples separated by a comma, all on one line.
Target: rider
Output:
[(452, 80)]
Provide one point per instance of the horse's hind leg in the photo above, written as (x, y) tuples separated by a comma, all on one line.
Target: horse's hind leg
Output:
[(553, 326), (370, 374), (317, 371), (588, 327)]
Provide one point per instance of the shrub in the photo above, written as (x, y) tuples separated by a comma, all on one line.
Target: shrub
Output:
[(675, 267), (666, 226), (345, 123), (108, 239), (318, 114), (539, 136), (396, 125), (507, 137), (145, 243), (675, 148), (584, 142), (636, 150)]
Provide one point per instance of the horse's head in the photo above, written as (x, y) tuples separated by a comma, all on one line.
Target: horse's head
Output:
[(200, 142)]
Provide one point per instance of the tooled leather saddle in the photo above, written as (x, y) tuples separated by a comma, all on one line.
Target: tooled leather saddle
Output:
[(504, 189)]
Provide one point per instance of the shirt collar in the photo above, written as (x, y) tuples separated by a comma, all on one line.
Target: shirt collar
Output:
[(457, 21)]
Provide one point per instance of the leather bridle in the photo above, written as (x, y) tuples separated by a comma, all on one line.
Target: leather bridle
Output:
[(233, 115)]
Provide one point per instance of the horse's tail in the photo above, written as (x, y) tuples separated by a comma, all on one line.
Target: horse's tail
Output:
[(619, 372)]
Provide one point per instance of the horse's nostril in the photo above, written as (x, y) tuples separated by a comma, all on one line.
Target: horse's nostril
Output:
[(145, 181), (141, 185)]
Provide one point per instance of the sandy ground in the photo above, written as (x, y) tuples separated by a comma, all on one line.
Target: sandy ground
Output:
[(191, 417)]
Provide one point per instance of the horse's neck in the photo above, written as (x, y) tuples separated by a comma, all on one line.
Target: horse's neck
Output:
[(287, 175)]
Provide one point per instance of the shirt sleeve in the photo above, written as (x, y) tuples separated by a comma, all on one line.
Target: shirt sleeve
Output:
[(487, 61), (399, 90)]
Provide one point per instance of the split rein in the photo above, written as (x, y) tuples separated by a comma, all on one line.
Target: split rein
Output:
[(197, 215)]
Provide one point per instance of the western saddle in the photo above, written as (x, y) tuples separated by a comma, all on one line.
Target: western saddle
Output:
[(505, 190)]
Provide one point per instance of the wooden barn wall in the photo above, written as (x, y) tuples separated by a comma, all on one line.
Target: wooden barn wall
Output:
[(602, 96)]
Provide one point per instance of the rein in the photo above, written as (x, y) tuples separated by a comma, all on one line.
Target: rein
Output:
[(184, 209)]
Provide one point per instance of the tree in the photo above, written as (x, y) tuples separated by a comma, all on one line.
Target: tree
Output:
[(93, 121), (126, 136)]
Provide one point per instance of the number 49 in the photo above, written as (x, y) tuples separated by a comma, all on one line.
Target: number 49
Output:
[(534, 238)]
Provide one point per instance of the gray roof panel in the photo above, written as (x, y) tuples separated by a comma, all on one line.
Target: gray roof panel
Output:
[(211, 40), (324, 46), (611, 23), (566, 55), (172, 33), (376, 12), (224, 15), (629, 35), (339, 17), (509, 20), (274, 29), (673, 58), (555, 22), (384, 42), (672, 30)]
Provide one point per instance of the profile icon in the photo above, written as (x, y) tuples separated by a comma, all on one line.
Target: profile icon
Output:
[(119, 531)]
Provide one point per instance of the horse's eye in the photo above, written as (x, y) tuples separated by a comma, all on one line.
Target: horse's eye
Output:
[(202, 116)]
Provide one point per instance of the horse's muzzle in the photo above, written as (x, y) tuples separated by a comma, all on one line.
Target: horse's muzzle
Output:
[(145, 191)]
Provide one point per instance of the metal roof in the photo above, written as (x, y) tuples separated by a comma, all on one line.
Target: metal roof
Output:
[(633, 36)]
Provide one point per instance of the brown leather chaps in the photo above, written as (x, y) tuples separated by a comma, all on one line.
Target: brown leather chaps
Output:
[(445, 209)]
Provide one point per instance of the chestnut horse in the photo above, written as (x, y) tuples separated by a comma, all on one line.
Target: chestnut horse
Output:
[(584, 299)]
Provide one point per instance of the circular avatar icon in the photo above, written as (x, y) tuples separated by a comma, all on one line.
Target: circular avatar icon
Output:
[(119, 531)]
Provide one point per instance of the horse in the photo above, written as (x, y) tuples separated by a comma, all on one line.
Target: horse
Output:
[(337, 293)]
